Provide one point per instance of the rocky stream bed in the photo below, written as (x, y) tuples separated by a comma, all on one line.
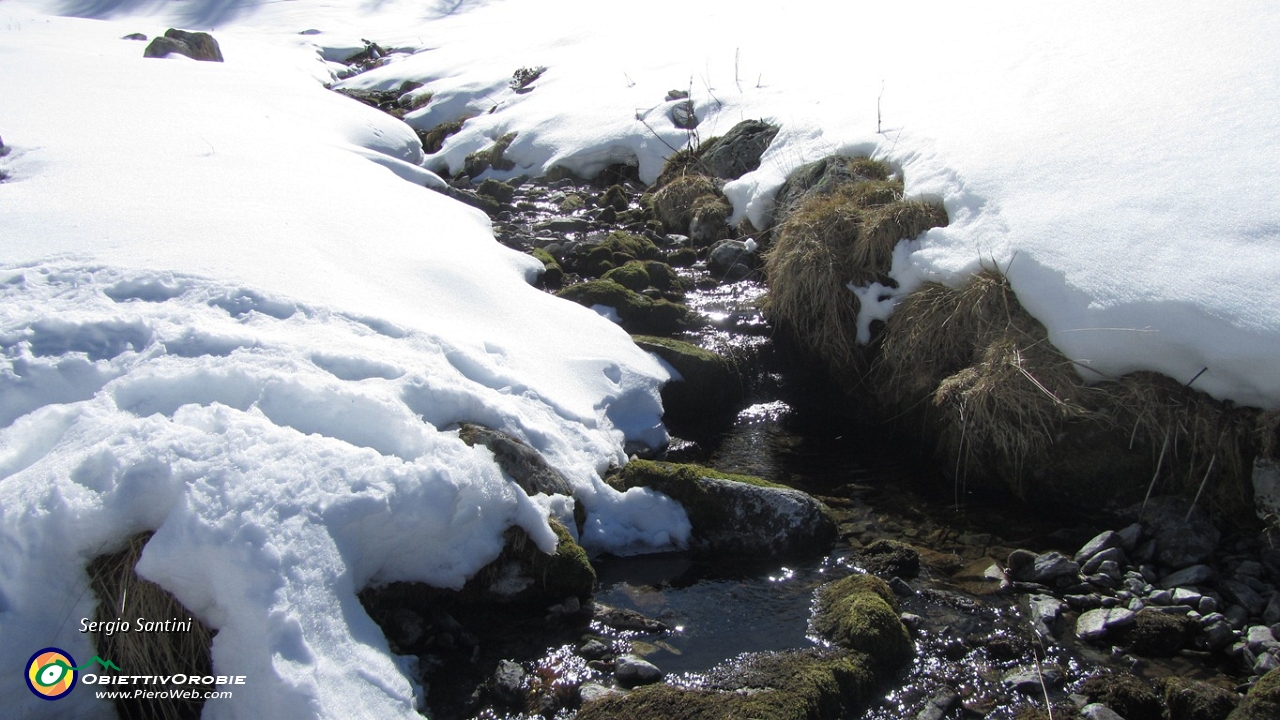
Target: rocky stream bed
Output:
[(1012, 610)]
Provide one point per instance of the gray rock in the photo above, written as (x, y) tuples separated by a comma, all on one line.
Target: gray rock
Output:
[(507, 683), (738, 151), (1113, 555), (683, 116), (195, 45), (939, 705), (1046, 615), (633, 671), (1265, 663), (1180, 540), (518, 460), (1272, 612), (1130, 536), (1240, 593), (1207, 605), (1019, 563), (592, 691), (1051, 566), (1259, 637), (1096, 624), (1098, 711), (1183, 596), (1028, 680), (1218, 635), (1193, 575), (731, 260), (594, 649), (1103, 541), (1237, 616)]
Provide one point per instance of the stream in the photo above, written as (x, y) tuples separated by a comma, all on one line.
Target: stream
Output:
[(976, 653)]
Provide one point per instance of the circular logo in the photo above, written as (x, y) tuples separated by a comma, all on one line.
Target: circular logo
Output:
[(51, 673)]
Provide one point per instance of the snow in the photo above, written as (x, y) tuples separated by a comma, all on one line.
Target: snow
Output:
[(232, 314)]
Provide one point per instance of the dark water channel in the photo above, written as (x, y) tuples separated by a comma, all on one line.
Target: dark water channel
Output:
[(972, 636)]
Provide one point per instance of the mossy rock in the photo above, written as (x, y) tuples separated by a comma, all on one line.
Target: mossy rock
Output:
[(663, 276), (523, 573), (737, 152), (792, 685), (708, 220), (635, 246), (1129, 696), (632, 276), (518, 460), (1188, 699), (737, 514), (891, 558), (572, 202), (683, 257), (496, 189), (638, 313), (1263, 700), (709, 384), (490, 157), (615, 197), (552, 274), (1157, 634), (433, 139), (597, 262), (860, 612)]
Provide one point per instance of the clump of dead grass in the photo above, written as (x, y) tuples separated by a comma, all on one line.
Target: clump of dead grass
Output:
[(125, 596), (829, 241), (674, 204)]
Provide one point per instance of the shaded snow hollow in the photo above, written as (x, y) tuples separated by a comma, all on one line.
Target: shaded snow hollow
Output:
[(227, 316)]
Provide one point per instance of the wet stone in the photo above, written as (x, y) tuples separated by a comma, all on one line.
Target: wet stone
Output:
[(1098, 711), (1027, 680), (1243, 595), (1051, 566), (1097, 624), (939, 705), (1103, 541), (632, 671)]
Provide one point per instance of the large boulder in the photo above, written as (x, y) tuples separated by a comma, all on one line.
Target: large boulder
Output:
[(709, 385), (738, 151), (737, 514), (195, 45)]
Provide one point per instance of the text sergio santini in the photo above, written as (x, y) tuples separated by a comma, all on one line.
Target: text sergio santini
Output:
[(108, 627)]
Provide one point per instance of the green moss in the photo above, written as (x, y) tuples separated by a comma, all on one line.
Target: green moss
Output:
[(632, 276), (1263, 700), (615, 197), (1127, 695), (490, 157), (1189, 699), (554, 576), (684, 257), (637, 312), (662, 276), (497, 190), (433, 139), (553, 274), (637, 247), (799, 685), (572, 202), (860, 612), (676, 479)]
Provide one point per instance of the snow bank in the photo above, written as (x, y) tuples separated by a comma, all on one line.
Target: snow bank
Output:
[(219, 320)]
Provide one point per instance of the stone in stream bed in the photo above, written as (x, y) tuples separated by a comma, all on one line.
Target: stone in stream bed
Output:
[(1095, 625), (633, 671), (737, 514), (860, 612), (709, 385), (789, 685), (1263, 700)]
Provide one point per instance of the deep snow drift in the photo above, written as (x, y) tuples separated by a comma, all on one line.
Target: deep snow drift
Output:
[(231, 314)]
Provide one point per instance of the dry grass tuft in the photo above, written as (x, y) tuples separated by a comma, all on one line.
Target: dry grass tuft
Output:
[(674, 204), (123, 595)]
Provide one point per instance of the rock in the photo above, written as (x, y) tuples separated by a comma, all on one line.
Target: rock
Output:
[(860, 612), (1051, 566), (708, 385), (624, 619), (1130, 536), (683, 116), (1180, 540), (1019, 563), (939, 705), (1218, 635), (518, 460), (1125, 694), (633, 671), (891, 558), (506, 685), (522, 572), (1271, 614), (1194, 700), (1098, 711), (1103, 541), (738, 151), (1157, 634), (1260, 638), (788, 684), (1266, 490), (1097, 624), (737, 514), (594, 649), (499, 191), (732, 260), (1028, 680), (490, 157), (821, 178), (1193, 575), (1243, 595), (708, 220), (140, 37), (592, 691), (1046, 615), (195, 45), (1114, 555), (1263, 700), (637, 313)]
